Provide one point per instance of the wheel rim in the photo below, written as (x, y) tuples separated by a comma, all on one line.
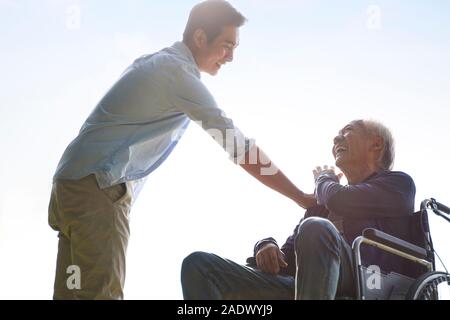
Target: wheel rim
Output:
[(432, 287)]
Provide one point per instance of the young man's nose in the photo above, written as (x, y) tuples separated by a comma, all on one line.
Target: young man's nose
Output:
[(229, 56)]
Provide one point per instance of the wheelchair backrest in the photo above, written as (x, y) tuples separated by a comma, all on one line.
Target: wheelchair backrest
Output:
[(420, 229)]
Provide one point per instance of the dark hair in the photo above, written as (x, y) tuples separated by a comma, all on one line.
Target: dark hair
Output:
[(212, 16)]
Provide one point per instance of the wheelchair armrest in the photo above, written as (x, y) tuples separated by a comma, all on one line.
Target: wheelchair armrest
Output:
[(393, 242)]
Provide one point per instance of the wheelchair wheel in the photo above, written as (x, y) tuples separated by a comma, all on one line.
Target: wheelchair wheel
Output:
[(433, 285)]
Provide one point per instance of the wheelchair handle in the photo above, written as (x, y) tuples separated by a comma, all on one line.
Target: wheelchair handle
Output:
[(438, 208), (443, 208)]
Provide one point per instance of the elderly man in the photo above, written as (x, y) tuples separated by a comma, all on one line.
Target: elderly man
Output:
[(316, 260)]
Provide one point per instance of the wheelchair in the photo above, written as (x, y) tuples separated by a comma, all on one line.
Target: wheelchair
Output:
[(430, 285)]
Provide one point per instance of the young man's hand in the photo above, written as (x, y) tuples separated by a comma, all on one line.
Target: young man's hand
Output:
[(308, 201), (270, 259)]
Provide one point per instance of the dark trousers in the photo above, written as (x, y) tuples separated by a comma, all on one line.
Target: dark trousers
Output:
[(324, 271)]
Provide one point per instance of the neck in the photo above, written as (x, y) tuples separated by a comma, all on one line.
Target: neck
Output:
[(192, 48), (357, 175)]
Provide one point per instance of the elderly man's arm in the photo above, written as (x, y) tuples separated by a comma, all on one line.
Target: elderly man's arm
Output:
[(388, 194)]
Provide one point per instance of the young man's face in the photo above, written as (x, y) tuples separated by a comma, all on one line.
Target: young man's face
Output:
[(352, 146), (210, 57)]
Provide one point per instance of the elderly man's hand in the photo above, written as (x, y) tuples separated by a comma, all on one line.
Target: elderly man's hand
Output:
[(319, 170), (270, 259)]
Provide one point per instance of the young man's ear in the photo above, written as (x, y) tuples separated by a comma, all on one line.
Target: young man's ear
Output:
[(199, 37)]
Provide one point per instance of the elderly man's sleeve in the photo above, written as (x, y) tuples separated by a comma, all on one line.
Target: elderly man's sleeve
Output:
[(190, 96), (388, 195)]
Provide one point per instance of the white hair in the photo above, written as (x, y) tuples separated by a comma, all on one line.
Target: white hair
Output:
[(387, 155)]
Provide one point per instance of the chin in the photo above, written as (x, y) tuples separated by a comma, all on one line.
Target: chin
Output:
[(213, 72)]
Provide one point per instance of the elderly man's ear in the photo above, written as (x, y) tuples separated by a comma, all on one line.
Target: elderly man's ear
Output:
[(378, 144)]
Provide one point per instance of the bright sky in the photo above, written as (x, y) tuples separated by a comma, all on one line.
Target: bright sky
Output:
[(303, 70)]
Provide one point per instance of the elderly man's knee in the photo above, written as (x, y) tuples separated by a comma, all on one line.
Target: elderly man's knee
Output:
[(193, 262), (311, 230)]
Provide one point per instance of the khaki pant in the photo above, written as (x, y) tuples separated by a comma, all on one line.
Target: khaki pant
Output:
[(93, 227)]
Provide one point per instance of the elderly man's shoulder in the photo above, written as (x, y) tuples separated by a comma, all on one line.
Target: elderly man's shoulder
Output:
[(397, 177)]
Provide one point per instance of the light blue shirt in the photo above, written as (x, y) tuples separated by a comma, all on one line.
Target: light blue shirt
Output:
[(139, 121)]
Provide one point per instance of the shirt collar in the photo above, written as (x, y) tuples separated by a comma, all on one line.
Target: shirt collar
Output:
[(186, 53)]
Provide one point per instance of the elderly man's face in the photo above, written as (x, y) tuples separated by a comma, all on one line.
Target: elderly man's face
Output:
[(352, 146)]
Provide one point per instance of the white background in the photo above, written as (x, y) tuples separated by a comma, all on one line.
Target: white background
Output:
[(303, 70)]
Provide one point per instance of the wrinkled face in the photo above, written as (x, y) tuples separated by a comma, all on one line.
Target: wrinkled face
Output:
[(352, 146), (210, 57)]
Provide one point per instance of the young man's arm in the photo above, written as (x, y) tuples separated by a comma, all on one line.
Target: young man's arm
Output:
[(190, 96), (258, 164)]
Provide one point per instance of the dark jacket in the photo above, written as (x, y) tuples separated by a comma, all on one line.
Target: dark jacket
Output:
[(384, 201)]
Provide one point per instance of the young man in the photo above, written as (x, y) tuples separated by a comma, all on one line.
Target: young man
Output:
[(316, 261), (132, 130)]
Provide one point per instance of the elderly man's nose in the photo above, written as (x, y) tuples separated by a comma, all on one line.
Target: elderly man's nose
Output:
[(338, 139)]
